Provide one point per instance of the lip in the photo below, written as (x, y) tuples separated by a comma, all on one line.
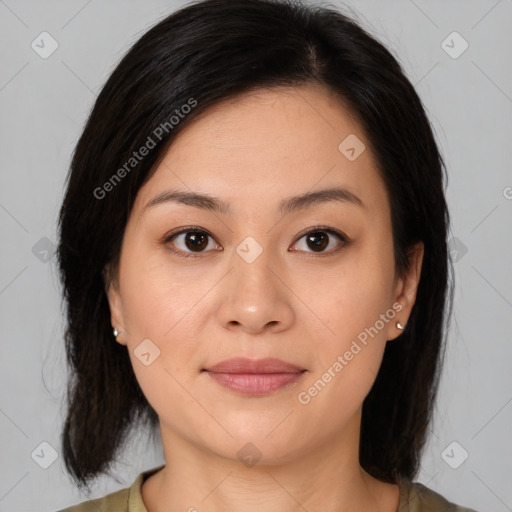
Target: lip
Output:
[(254, 376), (245, 365)]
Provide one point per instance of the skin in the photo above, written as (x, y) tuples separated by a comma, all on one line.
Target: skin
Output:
[(301, 306)]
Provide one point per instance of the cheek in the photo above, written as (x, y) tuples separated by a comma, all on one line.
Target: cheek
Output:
[(158, 296), (356, 307), (167, 393), (161, 310), (351, 297), (348, 366), (165, 304)]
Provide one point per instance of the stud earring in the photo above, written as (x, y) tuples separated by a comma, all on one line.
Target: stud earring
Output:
[(116, 332), (399, 326)]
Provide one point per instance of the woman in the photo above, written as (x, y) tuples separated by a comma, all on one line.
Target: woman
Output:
[(290, 353)]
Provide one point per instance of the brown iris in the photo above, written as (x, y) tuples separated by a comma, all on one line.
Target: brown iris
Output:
[(318, 240), (196, 240)]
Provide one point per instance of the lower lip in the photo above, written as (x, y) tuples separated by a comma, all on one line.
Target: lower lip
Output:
[(255, 383)]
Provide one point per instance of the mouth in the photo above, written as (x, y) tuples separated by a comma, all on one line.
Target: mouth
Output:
[(254, 376)]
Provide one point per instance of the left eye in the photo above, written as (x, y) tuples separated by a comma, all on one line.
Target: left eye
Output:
[(319, 239)]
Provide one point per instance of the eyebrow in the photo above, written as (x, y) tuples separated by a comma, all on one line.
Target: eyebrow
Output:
[(290, 204)]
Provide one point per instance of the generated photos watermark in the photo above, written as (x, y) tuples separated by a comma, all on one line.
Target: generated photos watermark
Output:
[(137, 156), (305, 397)]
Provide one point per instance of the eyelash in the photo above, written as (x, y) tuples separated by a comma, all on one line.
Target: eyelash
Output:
[(343, 239)]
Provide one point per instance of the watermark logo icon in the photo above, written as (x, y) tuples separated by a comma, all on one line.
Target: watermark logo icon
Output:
[(43, 249), (249, 249), (457, 249), (44, 45), (44, 455), (454, 45), (248, 455), (351, 147), (454, 455), (146, 352)]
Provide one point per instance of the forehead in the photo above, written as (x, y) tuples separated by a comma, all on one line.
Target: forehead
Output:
[(270, 144)]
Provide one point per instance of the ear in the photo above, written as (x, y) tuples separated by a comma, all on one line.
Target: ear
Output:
[(115, 304), (405, 290)]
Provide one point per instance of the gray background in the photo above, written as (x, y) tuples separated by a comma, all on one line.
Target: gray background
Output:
[(44, 103)]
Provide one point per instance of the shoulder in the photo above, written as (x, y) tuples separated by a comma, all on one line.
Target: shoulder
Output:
[(124, 500), (415, 497), (113, 502)]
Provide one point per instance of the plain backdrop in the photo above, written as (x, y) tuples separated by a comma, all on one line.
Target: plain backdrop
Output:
[(44, 103)]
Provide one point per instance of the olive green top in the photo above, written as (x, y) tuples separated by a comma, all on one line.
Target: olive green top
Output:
[(414, 497)]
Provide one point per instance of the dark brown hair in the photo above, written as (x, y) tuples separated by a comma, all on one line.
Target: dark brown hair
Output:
[(207, 52)]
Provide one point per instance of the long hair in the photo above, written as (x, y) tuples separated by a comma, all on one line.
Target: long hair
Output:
[(200, 55)]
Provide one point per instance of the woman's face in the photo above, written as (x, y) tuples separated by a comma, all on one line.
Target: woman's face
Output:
[(249, 281)]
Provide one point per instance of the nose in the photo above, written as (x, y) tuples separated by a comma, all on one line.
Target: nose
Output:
[(255, 297)]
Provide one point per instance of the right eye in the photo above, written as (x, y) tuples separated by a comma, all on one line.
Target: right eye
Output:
[(192, 240)]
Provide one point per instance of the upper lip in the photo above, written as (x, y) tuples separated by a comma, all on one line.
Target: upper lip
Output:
[(245, 365)]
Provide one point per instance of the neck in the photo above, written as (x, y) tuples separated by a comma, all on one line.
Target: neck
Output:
[(325, 476)]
